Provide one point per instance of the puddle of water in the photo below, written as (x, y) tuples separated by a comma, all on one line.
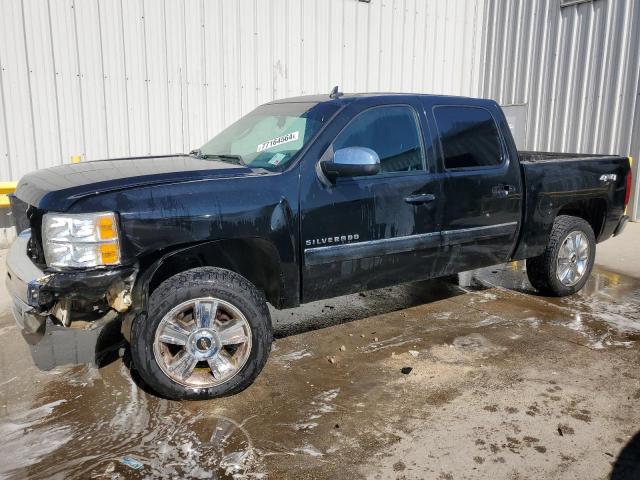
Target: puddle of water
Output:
[(108, 419), (606, 312), (302, 401)]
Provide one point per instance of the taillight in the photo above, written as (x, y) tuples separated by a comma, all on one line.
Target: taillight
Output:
[(627, 193)]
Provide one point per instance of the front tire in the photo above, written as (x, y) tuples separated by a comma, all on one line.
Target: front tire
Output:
[(207, 334), (565, 265)]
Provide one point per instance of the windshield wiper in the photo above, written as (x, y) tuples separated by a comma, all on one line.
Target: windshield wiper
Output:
[(235, 159)]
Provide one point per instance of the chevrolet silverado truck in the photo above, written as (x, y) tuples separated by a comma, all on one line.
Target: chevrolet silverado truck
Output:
[(302, 199)]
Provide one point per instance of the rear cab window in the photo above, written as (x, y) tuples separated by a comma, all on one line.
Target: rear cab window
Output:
[(469, 137)]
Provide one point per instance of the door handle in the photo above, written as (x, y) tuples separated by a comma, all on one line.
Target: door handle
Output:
[(502, 190), (420, 198)]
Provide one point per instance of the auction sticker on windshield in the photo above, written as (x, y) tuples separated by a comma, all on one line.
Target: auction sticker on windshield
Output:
[(289, 137)]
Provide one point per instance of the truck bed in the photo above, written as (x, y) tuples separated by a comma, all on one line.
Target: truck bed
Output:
[(566, 183), (536, 157)]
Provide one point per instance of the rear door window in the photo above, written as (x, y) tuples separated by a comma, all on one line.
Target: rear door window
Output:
[(469, 137)]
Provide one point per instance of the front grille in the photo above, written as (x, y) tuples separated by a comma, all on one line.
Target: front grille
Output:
[(19, 213)]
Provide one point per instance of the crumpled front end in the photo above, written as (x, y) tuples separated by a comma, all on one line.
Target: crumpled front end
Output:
[(64, 315)]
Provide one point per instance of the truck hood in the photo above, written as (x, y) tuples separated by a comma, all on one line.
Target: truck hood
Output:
[(58, 188)]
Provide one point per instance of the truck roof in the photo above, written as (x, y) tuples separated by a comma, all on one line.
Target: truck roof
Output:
[(350, 97)]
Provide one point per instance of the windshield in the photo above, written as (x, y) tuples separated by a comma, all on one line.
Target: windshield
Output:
[(270, 136)]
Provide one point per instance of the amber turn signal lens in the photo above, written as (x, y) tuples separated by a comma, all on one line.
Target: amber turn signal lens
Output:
[(107, 228), (109, 253)]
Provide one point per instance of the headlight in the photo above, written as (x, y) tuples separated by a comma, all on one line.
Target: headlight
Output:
[(80, 240)]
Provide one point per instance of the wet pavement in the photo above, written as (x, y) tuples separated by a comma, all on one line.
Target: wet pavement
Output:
[(501, 383)]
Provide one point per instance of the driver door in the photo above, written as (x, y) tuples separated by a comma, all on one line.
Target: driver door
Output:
[(359, 233)]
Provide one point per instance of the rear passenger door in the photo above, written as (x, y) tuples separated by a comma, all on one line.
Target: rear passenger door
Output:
[(481, 183)]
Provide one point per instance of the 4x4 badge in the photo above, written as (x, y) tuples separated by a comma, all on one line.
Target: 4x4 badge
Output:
[(608, 177)]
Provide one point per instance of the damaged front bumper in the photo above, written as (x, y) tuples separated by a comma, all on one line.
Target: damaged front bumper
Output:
[(42, 307), (24, 281)]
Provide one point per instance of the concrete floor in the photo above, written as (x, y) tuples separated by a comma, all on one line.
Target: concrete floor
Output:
[(503, 384)]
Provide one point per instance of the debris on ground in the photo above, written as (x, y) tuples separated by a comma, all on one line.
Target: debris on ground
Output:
[(565, 430), (406, 370), (343, 348), (132, 462), (413, 353), (331, 359)]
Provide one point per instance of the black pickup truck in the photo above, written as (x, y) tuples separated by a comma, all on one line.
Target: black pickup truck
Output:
[(302, 199)]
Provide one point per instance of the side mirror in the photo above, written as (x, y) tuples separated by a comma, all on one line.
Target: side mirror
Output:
[(351, 162)]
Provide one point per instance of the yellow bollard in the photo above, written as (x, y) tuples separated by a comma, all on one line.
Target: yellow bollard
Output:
[(6, 188)]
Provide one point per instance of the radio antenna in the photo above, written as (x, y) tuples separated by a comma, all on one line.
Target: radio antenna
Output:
[(335, 93)]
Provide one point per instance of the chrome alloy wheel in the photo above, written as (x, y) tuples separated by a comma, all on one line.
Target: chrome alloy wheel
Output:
[(573, 258), (202, 342)]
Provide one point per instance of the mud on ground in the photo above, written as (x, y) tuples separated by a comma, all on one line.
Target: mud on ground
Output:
[(498, 383)]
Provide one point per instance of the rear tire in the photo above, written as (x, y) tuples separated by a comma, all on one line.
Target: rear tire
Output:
[(207, 334), (566, 263)]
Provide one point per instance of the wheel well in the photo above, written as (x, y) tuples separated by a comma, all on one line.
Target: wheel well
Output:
[(592, 210), (255, 259)]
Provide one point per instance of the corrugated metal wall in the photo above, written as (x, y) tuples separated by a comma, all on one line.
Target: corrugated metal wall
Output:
[(577, 68), (110, 78)]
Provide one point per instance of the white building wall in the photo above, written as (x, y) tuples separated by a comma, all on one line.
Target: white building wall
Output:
[(112, 78), (575, 68)]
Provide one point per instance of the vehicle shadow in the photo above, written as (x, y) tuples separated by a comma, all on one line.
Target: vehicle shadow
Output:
[(135, 376), (627, 465), (349, 308)]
